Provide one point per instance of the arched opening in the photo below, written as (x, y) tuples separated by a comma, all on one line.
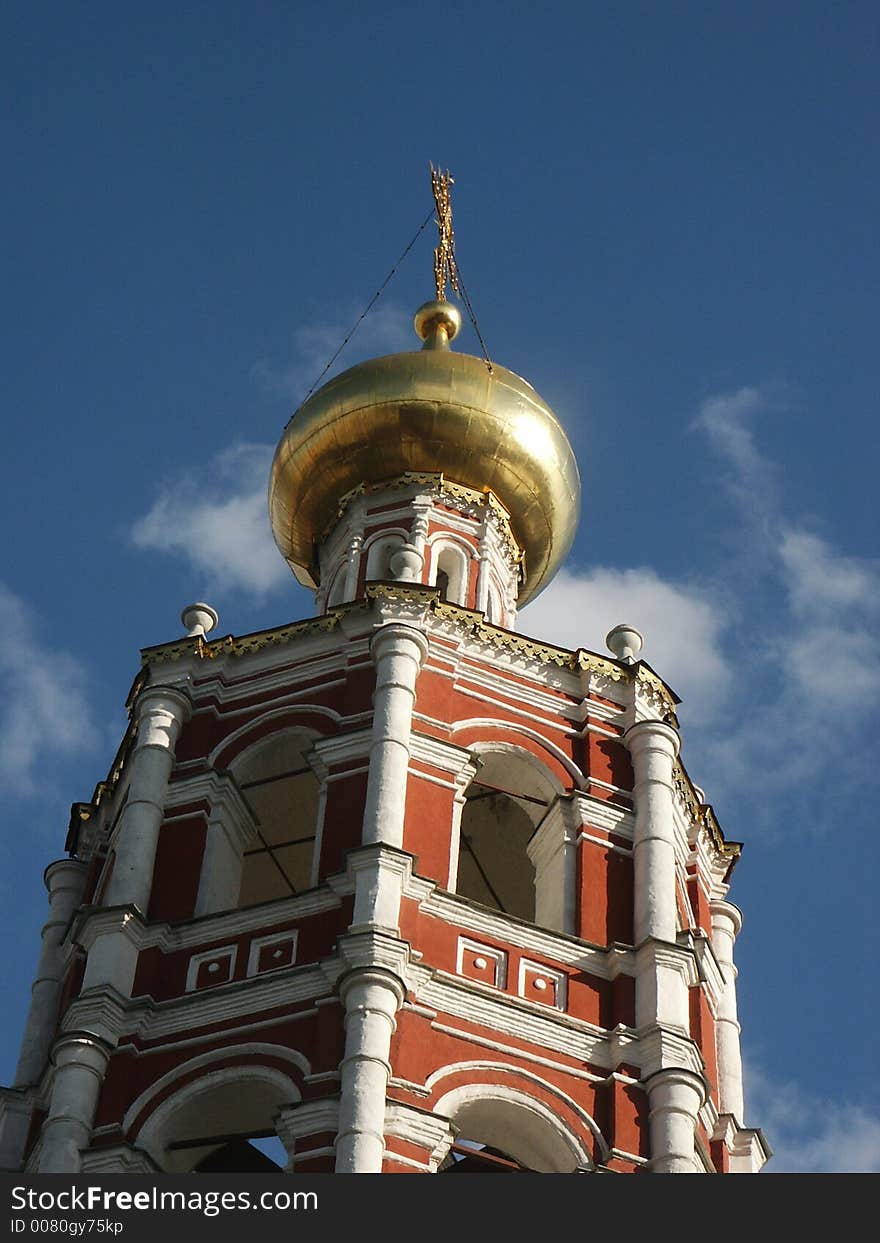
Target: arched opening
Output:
[(451, 570), (379, 556), (282, 793), (223, 1122), (502, 1130), (503, 805)]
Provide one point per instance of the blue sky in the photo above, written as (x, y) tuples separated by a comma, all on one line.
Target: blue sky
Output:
[(665, 217)]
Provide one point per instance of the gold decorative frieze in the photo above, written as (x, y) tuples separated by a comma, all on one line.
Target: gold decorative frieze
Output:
[(702, 815), (590, 662), (665, 700), (461, 496), (232, 645)]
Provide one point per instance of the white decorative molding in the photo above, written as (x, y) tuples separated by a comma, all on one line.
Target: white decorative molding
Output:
[(283, 946), (195, 933), (146, 1019), (604, 963), (427, 1130), (481, 962), (218, 963), (542, 985)]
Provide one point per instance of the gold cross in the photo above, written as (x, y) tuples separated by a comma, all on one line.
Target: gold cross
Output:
[(444, 254)]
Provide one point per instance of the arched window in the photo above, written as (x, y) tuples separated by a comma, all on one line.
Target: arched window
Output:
[(503, 805), (282, 792), (379, 556), (502, 1130), (222, 1122), (451, 570)]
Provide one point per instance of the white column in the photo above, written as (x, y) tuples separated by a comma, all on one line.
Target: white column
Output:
[(161, 712), (398, 652), (80, 1063), (371, 999), (653, 746), (65, 880), (726, 923), (675, 1098)]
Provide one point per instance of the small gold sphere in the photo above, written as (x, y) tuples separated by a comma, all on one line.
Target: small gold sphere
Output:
[(435, 318)]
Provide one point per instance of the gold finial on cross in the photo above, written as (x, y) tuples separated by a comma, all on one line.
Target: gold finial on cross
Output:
[(444, 253)]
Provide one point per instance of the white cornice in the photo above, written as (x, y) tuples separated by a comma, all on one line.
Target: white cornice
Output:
[(148, 1020), (458, 912), (204, 931)]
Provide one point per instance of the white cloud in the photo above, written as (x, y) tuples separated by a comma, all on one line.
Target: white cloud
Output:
[(44, 709), (811, 1134), (725, 420), (682, 625), (778, 663), (387, 329), (809, 665), (217, 519)]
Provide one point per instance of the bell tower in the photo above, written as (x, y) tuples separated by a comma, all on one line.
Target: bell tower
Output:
[(395, 884)]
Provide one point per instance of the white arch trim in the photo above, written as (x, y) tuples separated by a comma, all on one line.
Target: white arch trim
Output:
[(284, 710), (376, 547), (205, 1060), (488, 744), (459, 1098), (150, 1136), (458, 559)]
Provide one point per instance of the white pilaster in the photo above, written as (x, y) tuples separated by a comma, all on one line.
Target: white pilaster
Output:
[(65, 880), (371, 999), (161, 712), (398, 652), (80, 1064), (726, 923)]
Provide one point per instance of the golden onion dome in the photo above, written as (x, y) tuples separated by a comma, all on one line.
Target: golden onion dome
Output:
[(429, 410)]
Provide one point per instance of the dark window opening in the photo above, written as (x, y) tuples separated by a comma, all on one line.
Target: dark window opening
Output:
[(281, 791), (502, 809)]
